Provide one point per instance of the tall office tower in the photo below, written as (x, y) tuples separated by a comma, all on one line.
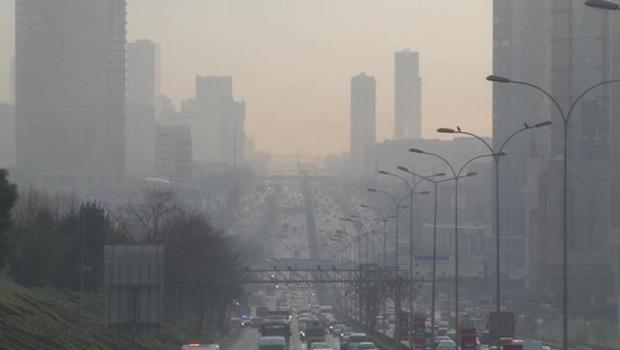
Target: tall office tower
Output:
[(70, 94), (213, 98), (174, 153), (7, 136), (520, 41), (232, 135), (142, 90), (12, 81), (584, 51), (408, 95), (363, 120)]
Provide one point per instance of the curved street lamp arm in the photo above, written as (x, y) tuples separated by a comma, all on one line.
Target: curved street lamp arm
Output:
[(478, 138), (442, 159), (543, 91), (515, 133), (473, 160), (402, 178), (585, 92), (427, 178)]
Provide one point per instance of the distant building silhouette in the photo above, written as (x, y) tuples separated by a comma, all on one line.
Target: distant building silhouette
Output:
[(174, 153), (363, 120), (583, 49), (520, 40), (143, 72), (407, 95), (12, 81), (7, 136), (70, 94), (218, 125)]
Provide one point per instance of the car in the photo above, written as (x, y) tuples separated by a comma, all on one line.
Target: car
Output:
[(320, 346), (197, 346), (344, 340), (355, 339), (446, 345), (272, 343), (364, 346), (440, 338)]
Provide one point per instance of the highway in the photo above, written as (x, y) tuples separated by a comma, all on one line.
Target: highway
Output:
[(287, 238)]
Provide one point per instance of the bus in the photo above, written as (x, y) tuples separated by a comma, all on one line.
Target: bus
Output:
[(276, 329)]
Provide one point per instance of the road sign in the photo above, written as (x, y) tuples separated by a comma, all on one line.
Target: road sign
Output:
[(133, 288)]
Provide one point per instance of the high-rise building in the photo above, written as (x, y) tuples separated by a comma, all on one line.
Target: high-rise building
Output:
[(70, 94), (363, 120), (213, 98), (218, 124), (7, 136), (583, 51), (520, 51), (143, 72), (12, 81), (407, 95), (142, 91), (232, 135), (174, 153)]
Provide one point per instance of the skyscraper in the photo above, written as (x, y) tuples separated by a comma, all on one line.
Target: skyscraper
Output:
[(520, 51), (407, 95), (12, 81), (213, 98), (218, 126), (70, 94), (7, 136), (363, 120), (583, 51), (174, 153), (142, 91), (232, 134)]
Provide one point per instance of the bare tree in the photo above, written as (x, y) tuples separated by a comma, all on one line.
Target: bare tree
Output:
[(153, 213)]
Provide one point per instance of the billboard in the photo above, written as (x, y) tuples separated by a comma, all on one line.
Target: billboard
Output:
[(133, 288)]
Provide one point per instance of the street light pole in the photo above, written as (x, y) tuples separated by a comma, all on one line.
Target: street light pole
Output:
[(397, 206), (411, 187), (565, 117), (457, 176), (384, 219), (496, 160)]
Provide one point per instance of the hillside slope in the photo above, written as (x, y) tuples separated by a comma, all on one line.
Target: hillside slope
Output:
[(46, 319)]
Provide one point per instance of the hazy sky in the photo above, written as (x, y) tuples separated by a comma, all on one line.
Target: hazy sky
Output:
[(292, 60)]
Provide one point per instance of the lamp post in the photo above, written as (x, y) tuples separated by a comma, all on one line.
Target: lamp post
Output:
[(457, 175), (384, 219), (565, 117), (397, 206), (368, 227), (434, 273), (496, 159), (411, 187), (603, 5)]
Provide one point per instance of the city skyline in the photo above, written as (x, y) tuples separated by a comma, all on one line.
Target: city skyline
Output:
[(308, 70)]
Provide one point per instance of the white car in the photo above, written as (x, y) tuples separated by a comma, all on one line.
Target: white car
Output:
[(446, 345), (320, 346), (272, 343)]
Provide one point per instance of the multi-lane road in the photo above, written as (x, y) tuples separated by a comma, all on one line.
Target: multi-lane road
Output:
[(289, 238)]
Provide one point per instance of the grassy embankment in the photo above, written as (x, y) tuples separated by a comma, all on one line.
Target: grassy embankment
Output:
[(46, 318)]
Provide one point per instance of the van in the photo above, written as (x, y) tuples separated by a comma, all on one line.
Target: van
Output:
[(272, 343)]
